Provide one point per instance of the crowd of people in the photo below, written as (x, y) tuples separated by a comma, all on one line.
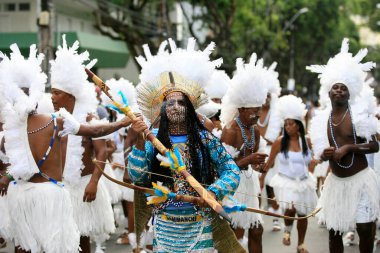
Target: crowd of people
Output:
[(191, 162)]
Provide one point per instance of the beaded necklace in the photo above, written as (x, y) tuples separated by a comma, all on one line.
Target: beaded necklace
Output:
[(41, 128), (336, 144), (247, 144)]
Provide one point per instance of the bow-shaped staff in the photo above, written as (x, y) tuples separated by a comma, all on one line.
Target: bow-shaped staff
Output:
[(186, 198), (162, 149)]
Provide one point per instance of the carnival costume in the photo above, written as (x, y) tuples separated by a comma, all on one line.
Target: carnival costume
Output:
[(293, 183), (41, 214), (180, 226), (357, 196), (247, 90), (67, 74)]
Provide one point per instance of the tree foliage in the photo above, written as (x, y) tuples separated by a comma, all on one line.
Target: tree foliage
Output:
[(241, 27)]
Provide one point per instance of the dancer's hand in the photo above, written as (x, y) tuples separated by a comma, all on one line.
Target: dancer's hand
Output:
[(258, 158), (340, 153), (328, 153), (90, 192)]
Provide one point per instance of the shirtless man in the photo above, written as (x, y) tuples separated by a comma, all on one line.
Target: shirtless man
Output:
[(346, 155), (241, 138), (91, 202), (342, 134)]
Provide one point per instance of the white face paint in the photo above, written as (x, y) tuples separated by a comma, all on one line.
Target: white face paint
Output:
[(175, 108)]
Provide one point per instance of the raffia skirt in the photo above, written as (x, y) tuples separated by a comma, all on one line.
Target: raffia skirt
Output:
[(247, 193), (94, 218), (42, 218), (345, 201)]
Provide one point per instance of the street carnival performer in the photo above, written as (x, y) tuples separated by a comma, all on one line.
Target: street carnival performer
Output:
[(171, 88), (39, 206), (240, 112), (342, 134), (294, 186), (70, 90)]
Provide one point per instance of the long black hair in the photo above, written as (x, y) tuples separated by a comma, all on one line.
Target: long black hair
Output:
[(199, 155), (286, 138)]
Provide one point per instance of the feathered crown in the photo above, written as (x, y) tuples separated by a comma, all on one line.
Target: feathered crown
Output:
[(343, 68), (248, 88), (218, 85), (124, 87), (210, 109), (272, 82), (186, 70), (18, 72), (67, 70), (291, 107)]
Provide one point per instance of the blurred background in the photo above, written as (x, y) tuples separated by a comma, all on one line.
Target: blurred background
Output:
[(295, 33)]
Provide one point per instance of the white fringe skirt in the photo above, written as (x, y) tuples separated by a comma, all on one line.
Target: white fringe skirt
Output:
[(247, 193), (42, 218), (341, 200), (114, 190), (294, 192), (321, 169), (5, 227), (126, 193), (93, 218)]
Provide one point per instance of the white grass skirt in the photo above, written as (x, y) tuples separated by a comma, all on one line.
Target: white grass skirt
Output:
[(321, 169), (247, 193), (42, 218), (93, 218), (341, 198), (126, 193), (5, 226), (301, 193), (113, 189)]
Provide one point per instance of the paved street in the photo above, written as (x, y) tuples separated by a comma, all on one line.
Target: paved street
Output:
[(316, 240)]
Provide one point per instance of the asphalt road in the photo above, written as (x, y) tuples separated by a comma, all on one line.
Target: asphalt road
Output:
[(316, 241)]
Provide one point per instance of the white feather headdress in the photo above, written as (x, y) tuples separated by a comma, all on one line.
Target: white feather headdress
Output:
[(344, 68), (291, 107), (210, 109), (186, 70), (126, 88), (218, 85), (16, 73), (67, 70), (248, 88)]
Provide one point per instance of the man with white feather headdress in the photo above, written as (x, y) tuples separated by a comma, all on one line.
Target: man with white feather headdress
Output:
[(171, 88), (71, 91), (40, 208), (342, 134), (240, 111)]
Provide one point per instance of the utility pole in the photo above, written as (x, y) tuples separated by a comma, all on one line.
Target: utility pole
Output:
[(45, 36)]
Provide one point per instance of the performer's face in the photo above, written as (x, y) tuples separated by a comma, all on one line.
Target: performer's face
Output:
[(291, 127), (175, 108), (250, 115), (339, 93), (61, 99)]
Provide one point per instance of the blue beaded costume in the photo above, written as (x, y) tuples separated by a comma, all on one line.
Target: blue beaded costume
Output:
[(180, 226)]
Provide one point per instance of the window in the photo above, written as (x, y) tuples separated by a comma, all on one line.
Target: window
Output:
[(9, 7), (24, 6)]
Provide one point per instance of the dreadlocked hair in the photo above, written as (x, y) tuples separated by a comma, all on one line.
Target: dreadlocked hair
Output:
[(200, 161), (286, 138)]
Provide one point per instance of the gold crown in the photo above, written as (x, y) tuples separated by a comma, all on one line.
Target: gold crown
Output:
[(151, 95)]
